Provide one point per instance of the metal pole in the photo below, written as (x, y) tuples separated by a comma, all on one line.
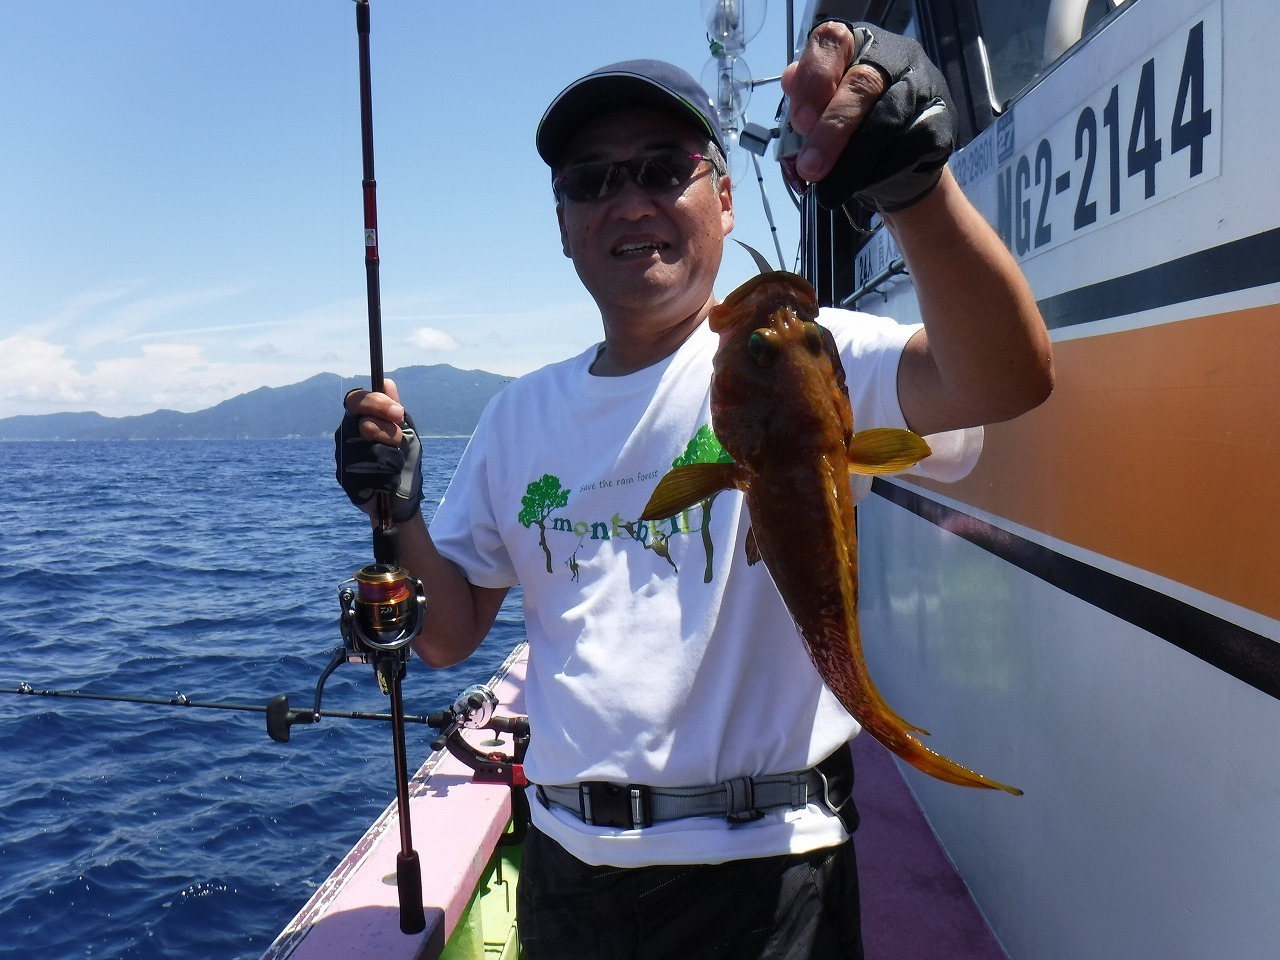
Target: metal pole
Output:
[(791, 30)]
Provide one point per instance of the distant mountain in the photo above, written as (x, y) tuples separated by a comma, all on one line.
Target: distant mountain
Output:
[(444, 401)]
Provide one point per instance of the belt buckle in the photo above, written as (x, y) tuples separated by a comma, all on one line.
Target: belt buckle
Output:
[(605, 804)]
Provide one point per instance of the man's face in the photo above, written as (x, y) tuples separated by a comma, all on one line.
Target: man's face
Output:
[(652, 255)]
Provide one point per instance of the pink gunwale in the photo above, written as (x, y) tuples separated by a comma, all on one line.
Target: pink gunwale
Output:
[(456, 824)]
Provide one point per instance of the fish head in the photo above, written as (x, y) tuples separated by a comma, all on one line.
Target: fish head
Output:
[(777, 383)]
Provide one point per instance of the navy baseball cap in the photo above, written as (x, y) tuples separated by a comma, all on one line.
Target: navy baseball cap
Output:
[(632, 83)]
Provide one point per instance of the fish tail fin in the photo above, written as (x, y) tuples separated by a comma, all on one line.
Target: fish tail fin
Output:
[(904, 745)]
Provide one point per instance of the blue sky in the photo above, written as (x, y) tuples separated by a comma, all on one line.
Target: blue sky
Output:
[(181, 189)]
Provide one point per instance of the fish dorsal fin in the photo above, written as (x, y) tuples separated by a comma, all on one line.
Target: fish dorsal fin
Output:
[(885, 450), (763, 265), (687, 485)]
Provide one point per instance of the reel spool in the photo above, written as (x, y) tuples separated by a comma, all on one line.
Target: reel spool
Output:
[(382, 607)]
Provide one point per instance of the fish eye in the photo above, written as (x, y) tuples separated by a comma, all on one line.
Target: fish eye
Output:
[(762, 345), (813, 337)]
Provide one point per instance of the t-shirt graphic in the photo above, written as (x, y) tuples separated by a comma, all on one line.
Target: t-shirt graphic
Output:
[(547, 495)]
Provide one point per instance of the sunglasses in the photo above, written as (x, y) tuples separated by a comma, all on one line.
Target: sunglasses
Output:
[(654, 172)]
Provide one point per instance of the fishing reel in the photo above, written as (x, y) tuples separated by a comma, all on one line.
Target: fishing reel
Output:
[(382, 608), (475, 709)]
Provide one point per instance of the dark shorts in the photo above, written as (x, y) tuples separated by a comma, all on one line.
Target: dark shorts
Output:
[(798, 907)]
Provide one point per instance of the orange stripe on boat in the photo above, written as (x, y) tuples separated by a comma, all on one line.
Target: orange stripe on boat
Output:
[(1160, 448)]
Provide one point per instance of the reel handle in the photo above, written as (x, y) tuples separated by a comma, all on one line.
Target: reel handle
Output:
[(280, 717)]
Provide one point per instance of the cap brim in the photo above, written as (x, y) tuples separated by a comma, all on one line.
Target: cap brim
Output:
[(604, 92)]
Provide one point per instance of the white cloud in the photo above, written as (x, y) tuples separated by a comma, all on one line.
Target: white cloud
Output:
[(72, 311), (38, 377), (35, 371), (429, 338), (203, 363), (148, 317)]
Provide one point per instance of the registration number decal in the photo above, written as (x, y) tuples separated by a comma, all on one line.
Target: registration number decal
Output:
[(1149, 135)]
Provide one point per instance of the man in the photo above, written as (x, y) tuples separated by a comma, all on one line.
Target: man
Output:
[(691, 768)]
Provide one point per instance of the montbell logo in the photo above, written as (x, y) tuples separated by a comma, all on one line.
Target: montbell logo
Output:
[(547, 496)]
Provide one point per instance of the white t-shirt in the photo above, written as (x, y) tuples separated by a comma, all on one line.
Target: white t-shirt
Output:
[(656, 655)]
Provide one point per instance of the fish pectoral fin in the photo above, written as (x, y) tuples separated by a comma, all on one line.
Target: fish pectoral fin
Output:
[(687, 485), (885, 450), (752, 548)]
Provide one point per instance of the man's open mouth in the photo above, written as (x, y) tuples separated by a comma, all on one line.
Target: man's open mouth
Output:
[(643, 246)]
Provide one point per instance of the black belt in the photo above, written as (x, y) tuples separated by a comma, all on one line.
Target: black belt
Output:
[(739, 799)]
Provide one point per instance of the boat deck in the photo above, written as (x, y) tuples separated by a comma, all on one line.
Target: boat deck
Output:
[(914, 904)]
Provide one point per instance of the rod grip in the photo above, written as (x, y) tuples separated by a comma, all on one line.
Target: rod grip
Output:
[(409, 883)]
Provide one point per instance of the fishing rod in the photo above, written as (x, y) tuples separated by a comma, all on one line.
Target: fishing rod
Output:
[(280, 716), (382, 605)]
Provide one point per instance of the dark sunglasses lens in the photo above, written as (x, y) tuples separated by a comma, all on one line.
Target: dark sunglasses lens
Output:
[(665, 171), (598, 180), (587, 181)]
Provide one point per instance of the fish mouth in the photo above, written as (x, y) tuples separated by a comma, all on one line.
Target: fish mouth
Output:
[(635, 248)]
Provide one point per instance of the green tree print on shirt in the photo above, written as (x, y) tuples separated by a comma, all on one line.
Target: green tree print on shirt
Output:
[(704, 448), (541, 498)]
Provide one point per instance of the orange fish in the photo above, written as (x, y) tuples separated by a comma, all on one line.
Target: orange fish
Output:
[(780, 408)]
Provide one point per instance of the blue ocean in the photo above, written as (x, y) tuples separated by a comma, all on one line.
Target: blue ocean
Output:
[(207, 569)]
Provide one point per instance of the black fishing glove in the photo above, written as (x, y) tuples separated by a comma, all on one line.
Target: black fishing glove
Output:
[(366, 469), (896, 156)]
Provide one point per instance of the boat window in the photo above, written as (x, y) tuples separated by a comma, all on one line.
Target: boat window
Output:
[(900, 18), (1023, 37)]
